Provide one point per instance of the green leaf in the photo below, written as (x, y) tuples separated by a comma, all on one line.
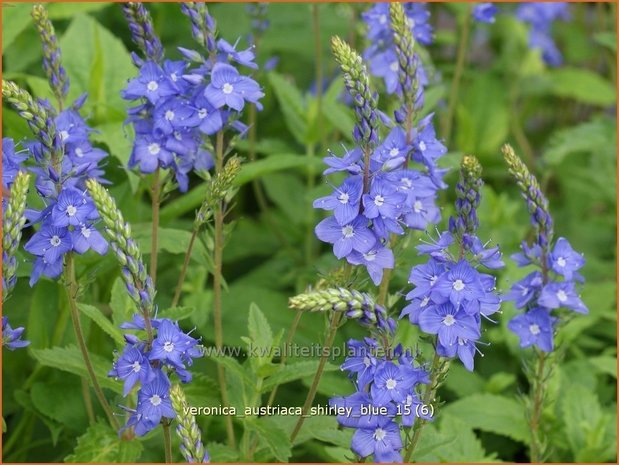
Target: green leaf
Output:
[(232, 365), (608, 39), (338, 114), (55, 400), (295, 371), (431, 442), (588, 429), (98, 63), (15, 18), (322, 427), (221, 453), (103, 322), (273, 437), (605, 364), (67, 10), (261, 336), (123, 307), (70, 359), (174, 241), (582, 85), (492, 413), (176, 313), (43, 311), (292, 105), (466, 447), (101, 444), (288, 193)]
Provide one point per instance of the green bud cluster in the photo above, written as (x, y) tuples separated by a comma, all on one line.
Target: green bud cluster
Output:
[(219, 189), (187, 430)]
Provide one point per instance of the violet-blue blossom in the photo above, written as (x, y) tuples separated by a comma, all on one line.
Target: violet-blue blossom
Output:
[(11, 338)]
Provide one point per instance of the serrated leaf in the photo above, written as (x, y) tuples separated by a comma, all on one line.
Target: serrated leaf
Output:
[(233, 365), (292, 104), (122, 305), (295, 371), (70, 359), (56, 400), (221, 453), (492, 413), (261, 337), (466, 447), (103, 322), (273, 437), (100, 444)]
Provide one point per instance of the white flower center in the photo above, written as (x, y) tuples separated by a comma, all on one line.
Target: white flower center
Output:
[(391, 383), (407, 182), (64, 135), (71, 210), (525, 291), (449, 320), (562, 296), (379, 200), (155, 400), (366, 361), (343, 198), (409, 400), (458, 285), (382, 19), (227, 88), (370, 256), (169, 115), (178, 135), (425, 301), (417, 206), (136, 367), (152, 86), (433, 280), (202, 113), (534, 329), (379, 434), (394, 66), (154, 148), (348, 231), (85, 232), (174, 77), (55, 241), (394, 152), (461, 341), (561, 262), (168, 346), (422, 146), (79, 152)]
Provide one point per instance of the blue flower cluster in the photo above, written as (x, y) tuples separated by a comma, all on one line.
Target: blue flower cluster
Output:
[(386, 397), (182, 101), (11, 338), (540, 295), (148, 364), (450, 294), (68, 220), (485, 12), (381, 54), (541, 15)]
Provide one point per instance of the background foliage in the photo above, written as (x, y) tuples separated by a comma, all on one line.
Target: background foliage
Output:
[(561, 120)]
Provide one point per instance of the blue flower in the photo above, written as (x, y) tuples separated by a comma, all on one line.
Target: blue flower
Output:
[(383, 441), (72, 208), (555, 295), (459, 284), (391, 383), (485, 12), (345, 238), (534, 327), (50, 242), (344, 200), (449, 323), (228, 87), (375, 261), (11, 338), (564, 260), (151, 83), (362, 362), (85, 237), (172, 345), (132, 367), (11, 162), (383, 200), (526, 289), (206, 117), (148, 152)]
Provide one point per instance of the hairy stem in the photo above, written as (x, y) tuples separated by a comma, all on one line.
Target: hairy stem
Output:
[(535, 451), (309, 234), (155, 201), (79, 335), (217, 287), (88, 401), (455, 83), (181, 278), (167, 442), (291, 332), (427, 398), (335, 321)]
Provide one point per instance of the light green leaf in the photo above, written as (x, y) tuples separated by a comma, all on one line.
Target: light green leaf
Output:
[(69, 10), (15, 18), (466, 447), (338, 114), (492, 413), (288, 193), (123, 307), (608, 39), (273, 437), (292, 104), (176, 313), (56, 401), (261, 335), (103, 322), (221, 453), (582, 85), (100, 444), (70, 359), (605, 364)]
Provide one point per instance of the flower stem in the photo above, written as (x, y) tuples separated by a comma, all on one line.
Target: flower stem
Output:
[(538, 393), (88, 402), (181, 278), (455, 83), (335, 321), (427, 398), (155, 201), (217, 287), (79, 334), (167, 442), (282, 362)]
